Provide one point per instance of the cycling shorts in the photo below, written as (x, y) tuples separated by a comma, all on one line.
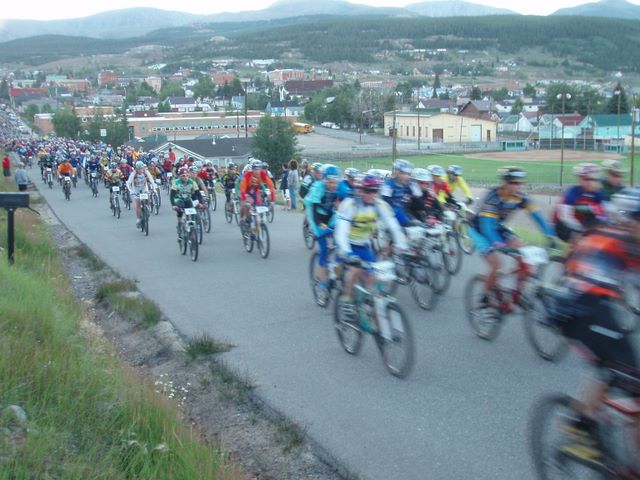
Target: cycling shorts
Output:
[(482, 243), (364, 253)]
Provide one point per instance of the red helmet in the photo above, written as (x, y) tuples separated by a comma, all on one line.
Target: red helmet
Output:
[(183, 171), (371, 182)]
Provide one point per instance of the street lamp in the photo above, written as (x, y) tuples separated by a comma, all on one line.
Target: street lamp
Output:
[(618, 93), (634, 118), (245, 81), (394, 148), (565, 97)]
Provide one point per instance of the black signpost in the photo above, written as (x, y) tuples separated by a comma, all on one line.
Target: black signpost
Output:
[(11, 201)]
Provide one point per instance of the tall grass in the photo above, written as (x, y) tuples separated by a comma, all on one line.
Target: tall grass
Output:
[(89, 417)]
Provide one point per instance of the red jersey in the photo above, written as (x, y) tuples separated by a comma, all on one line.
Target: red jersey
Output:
[(251, 184)]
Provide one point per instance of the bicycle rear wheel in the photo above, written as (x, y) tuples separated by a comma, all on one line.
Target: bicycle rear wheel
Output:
[(423, 294), (206, 220), (398, 351), (271, 213), (548, 440), (320, 295), (484, 316), (347, 328), (213, 201), (200, 228), (464, 238), (263, 241), (438, 273), (193, 245), (309, 239), (183, 240), (452, 254)]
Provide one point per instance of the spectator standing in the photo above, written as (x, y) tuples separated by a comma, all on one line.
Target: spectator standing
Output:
[(284, 187), (21, 178), (293, 182), (6, 168)]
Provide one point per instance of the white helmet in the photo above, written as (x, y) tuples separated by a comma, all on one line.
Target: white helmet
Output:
[(421, 175), (436, 170)]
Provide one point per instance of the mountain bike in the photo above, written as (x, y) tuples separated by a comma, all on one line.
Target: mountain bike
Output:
[(114, 201), (254, 230), (460, 224), (126, 196), (167, 183), (335, 273), (145, 212), (555, 451), (66, 187), (156, 198), (49, 177), (379, 315), (516, 290), (188, 239), (93, 183), (307, 235)]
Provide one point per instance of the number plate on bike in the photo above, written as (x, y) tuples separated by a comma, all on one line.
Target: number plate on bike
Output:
[(534, 255), (115, 189), (144, 196), (449, 215), (190, 211), (94, 174), (169, 174), (262, 209), (158, 181), (196, 203)]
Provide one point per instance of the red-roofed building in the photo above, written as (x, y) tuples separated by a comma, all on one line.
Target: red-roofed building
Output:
[(306, 88), (219, 79), (14, 92)]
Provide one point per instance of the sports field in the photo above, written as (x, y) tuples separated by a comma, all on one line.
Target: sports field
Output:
[(543, 166)]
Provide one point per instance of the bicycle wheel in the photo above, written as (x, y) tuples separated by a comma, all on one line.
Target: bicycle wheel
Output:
[(347, 328), (548, 438), (200, 228), (117, 207), (263, 241), (206, 220), (271, 213), (464, 238), (228, 212), (247, 237), (439, 275), (193, 245), (309, 238), (320, 295), (545, 337), (145, 220), (112, 206), (484, 316), (183, 240), (213, 202), (452, 254), (67, 192), (156, 203), (127, 199), (398, 351), (423, 294)]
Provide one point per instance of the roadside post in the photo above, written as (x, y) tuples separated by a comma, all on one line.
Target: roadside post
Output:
[(11, 201)]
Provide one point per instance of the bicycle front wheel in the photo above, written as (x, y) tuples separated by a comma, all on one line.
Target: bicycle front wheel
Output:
[(483, 315), (228, 213), (213, 203), (545, 337), (183, 240), (117, 207), (398, 351), (145, 220), (464, 237), (548, 440), (271, 213), (206, 220), (320, 295), (247, 237), (200, 228), (193, 245), (452, 254), (309, 239), (347, 328), (263, 241), (423, 294)]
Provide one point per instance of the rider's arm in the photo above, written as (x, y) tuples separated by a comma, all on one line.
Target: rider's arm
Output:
[(244, 186), (464, 187), (537, 217), (389, 220), (344, 216), (314, 196), (566, 210), (130, 181), (270, 186)]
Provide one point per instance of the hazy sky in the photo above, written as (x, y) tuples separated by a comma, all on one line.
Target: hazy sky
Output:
[(49, 10)]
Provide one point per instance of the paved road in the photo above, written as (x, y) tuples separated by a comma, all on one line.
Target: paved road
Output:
[(461, 414)]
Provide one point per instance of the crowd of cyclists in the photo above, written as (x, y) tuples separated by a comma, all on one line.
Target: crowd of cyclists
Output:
[(348, 212)]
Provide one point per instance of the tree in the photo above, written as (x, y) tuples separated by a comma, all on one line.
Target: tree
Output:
[(436, 82), (275, 142), (204, 88), (46, 108), (145, 90), (164, 107), (518, 105), (500, 94), (66, 123), (476, 93), (554, 98), (171, 89), (405, 89), (4, 89), (529, 90), (132, 94), (30, 112), (618, 99)]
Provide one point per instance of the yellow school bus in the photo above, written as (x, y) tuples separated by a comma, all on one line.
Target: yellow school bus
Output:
[(300, 127)]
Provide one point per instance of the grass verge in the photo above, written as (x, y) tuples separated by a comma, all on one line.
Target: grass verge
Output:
[(125, 299), (205, 346), (88, 417), (88, 256)]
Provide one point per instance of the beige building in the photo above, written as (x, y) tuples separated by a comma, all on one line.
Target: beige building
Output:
[(440, 128), (154, 82)]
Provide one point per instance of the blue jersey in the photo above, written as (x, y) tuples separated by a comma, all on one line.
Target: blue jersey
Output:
[(344, 190), (320, 206), (399, 197)]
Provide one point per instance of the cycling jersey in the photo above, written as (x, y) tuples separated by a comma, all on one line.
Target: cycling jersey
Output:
[(398, 197), (140, 182), (66, 169), (344, 190), (183, 190), (579, 208), (249, 185), (320, 209), (460, 183), (229, 180), (441, 189), (155, 172), (424, 206), (113, 178)]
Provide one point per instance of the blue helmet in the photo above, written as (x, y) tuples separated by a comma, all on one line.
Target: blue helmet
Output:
[(351, 172), (454, 170), (403, 166), (331, 172)]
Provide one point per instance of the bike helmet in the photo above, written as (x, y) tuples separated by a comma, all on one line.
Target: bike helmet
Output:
[(139, 164), (183, 171), (198, 163), (512, 174), (454, 170), (256, 165), (193, 169), (587, 170), (351, 172), (113, 165), (421, 175), (371, 182), (436, 170), (627, 202), (123, 160), (317, 166), (208, 163), (304, 164), (230, 165), (331, 172), (403, 166), (614, 166)]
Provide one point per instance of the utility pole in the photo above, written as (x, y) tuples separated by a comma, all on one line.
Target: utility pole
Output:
[(633, 138), (564, 96)]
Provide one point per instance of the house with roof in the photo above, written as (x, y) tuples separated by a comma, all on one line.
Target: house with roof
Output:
[(183, 104), (306, 88), (607, 127), (481, 109), (515, 124), (440, 128), (436, 105), (289, 108)]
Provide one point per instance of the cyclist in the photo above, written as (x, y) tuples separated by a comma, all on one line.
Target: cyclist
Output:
[(183, 190), (113, 177), (65, 169), (582, 205), (397, 191), (347, 186), (211, 172), (489, 232), (193, 172), (320, 208), (594, 276), (424, 205), (125, 168), (251, 187), (140, 181), (612, 181), (440, 185), (154, 170), (229, 181), (455, 180), (312, 175), (356, 220)]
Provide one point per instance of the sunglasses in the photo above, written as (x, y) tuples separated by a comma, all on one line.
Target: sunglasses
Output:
[(369, 190), (515, 183)]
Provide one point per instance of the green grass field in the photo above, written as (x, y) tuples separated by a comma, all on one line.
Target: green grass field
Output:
[(484, 171)]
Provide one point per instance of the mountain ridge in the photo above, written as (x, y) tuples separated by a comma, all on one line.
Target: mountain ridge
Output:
[(603, 8)]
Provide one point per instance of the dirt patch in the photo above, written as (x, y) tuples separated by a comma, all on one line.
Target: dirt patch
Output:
[(220, 404), (545, 155)]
